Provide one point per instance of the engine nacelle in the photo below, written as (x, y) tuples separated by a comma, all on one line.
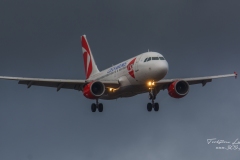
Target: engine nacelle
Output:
[(178, 89), (93, 90)]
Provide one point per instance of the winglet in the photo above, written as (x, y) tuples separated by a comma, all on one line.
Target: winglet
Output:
[(235, 75)]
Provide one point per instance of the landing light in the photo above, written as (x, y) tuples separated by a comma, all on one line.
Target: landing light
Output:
[(151, 83), (112, 89)]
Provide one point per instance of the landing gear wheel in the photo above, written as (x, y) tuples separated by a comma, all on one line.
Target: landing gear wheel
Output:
[(149, 107), (156, 107), (93, 107), (100, 107)]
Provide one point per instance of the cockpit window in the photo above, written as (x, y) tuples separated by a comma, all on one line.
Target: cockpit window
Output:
[(149, 59), (155, 58)]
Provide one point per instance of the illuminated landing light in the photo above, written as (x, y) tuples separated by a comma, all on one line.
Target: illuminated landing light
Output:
[(151, 83), (113, 89)]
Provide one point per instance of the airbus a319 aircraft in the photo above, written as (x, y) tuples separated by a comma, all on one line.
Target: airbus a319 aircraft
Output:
[(143, 73)]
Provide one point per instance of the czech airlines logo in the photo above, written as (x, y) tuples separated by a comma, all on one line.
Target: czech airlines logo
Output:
[(86, 57), (130, 68)]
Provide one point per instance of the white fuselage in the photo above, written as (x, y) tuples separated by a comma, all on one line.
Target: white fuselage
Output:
[(133, 74)]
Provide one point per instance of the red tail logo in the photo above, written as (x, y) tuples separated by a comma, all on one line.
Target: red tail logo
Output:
[(130, 68), (86, 57)]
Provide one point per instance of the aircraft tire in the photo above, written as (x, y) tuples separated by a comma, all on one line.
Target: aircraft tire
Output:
[(100, 107), (156, 107), (93, 107), (149, 107)]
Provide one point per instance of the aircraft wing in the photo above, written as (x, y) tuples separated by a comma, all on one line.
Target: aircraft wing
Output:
[(57, 83), (164, 83)]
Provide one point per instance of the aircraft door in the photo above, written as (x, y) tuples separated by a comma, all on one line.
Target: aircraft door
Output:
[(136, 66), (115, 73)]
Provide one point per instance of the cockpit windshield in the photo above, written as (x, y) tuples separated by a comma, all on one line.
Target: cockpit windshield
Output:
[(153, 58)]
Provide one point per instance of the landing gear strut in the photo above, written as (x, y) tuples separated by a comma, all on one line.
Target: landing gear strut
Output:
[(150, 106), (96, 106)]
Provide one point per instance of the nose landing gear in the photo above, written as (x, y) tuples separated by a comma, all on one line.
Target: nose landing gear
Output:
[(150, 106), (96, 106)]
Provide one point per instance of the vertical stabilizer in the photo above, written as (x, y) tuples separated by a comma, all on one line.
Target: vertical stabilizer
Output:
[(89, 62)]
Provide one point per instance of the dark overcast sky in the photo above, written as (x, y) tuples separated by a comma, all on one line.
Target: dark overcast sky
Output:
[(41, 39)]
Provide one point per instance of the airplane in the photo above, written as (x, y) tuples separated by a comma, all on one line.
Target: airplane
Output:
[(143, 73)]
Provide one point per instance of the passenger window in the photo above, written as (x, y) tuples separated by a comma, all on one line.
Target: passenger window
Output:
[(161, 58), (155, 58)]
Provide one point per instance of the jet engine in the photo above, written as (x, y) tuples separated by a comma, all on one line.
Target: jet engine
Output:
[(93, 90), (178, 89)]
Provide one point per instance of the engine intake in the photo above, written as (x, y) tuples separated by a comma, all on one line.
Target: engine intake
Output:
[(93, 90), (178, 89)]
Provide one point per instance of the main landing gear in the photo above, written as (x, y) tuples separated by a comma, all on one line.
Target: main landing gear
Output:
[(150, 106), (96, 106)]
